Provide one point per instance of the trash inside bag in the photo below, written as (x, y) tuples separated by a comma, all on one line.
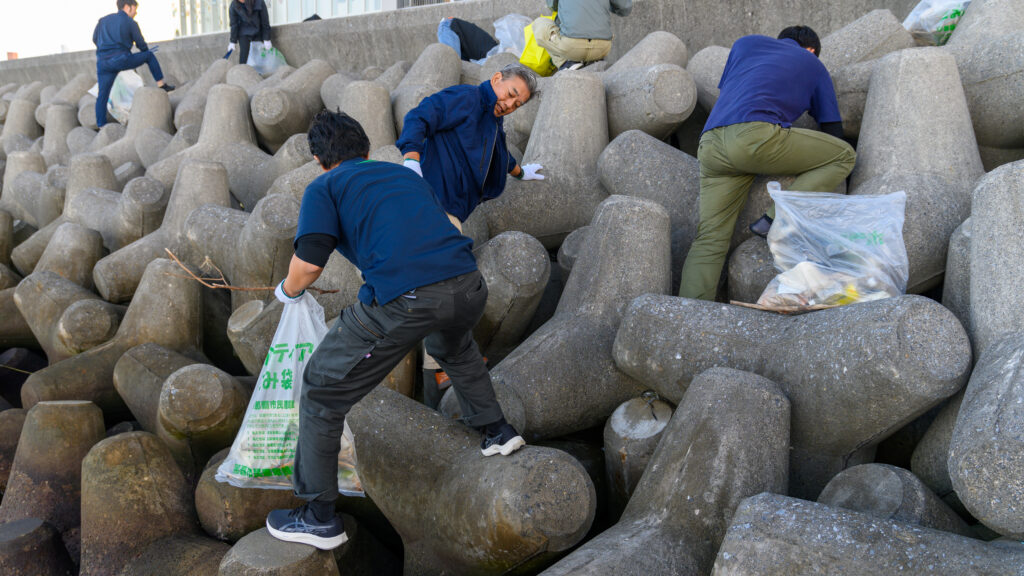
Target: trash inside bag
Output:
[(121, 94), (932, 22), (266, 62), (832, 249), (508, 30), (263, 452)]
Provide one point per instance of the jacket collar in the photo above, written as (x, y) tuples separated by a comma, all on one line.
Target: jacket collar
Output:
[(487, 96)]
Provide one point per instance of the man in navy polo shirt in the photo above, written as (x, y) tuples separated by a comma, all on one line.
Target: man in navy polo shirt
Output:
[(455, 139), (113, 36), (421, 282), (767, 84)]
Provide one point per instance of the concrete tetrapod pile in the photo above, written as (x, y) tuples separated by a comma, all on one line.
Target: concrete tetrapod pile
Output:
[(654, 422)]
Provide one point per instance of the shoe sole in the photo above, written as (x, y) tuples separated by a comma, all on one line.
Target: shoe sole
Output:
[(506, 448), (316, 541)]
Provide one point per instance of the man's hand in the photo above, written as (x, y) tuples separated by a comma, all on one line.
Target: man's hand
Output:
[(530, 172), (414, 165), (267, 45), (231, 46), (285, 298)]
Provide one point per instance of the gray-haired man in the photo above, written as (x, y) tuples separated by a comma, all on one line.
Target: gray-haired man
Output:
[(455, 140)]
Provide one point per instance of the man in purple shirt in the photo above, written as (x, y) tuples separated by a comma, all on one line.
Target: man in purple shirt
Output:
[(767, 84)]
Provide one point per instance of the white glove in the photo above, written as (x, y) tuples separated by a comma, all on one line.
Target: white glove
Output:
[(231, 46), (530, 172), (414, 165), (266, 45), (284, 298)]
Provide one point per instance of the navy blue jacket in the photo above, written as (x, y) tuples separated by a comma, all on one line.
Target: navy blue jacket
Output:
[(114, 35), (244, 24), (462, 147)]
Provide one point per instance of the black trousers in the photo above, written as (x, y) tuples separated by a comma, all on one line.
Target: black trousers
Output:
[(243, 48), (364, 345)]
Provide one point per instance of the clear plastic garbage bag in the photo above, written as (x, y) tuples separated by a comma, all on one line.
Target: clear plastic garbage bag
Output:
[(121, 94), (263, 452), (508, 31), (932, 22), (834, 249), (266, 62)]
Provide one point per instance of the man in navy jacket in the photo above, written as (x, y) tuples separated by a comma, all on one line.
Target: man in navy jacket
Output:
[(455, 140), (113, 37)]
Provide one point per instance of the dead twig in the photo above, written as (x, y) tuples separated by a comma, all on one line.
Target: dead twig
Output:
[(784, 309), (220, 282)]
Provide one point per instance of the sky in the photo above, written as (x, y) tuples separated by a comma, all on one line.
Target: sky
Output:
[(37, 28)]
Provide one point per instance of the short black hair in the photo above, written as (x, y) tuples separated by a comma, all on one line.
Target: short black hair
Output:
[(122, 3), (335, 137), (804, 36)]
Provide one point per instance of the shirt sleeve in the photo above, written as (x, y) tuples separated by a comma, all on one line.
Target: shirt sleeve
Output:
[(140, 42), (317, 213), (265, 23), (824, 106), (622, 7), (233, 20), (96, 34), (315, 248), (442, 111)]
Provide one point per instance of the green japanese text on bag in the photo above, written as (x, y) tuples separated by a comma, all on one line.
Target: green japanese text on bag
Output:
[(266, 62), (832, 249), (534, 57), (932, 22), (263, 452)]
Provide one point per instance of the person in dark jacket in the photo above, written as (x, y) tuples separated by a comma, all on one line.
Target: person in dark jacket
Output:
[(250, 21), (455, 140), (767, 84), (469, 41), (114, 36), (421, 280)]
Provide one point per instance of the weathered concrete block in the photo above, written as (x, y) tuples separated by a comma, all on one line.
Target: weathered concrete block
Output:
[(36, 198), (165, 310), (891, 493), (571, 131), (371, 72), (23, 172), (656, 99), (956, 286), (14, 331), (871, 36), (6, 237), (394, 74), (996, 249), (370, 104), (471, 73), (706, 68), (110, 133), (260, 554), (658, 47), (751, 269), (991, 71), (987, 19), (728, 440), (150, 144), (902, 148), (32, 547), (12, 421), (333, 86), (284, 110), (132, 495), (42, 298), (437, 68), (228, 137), (117, 275), (8, 278), (251, 329), (87, 113), (930, 460), (20, 127), (61, 119), (191, 108), (539, 383), (516, 268), (631, 434), (854, 374), (69, 93), (178, 555), (72, 253), (151, 108), (121, 218), (86, 324), (539, 502), (985, 453), (851, 84), (46, 475), (570, 250), (139, 376), (229, 513), (185, 137), (773, 534)]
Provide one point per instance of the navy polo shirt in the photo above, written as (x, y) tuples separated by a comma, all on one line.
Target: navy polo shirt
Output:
[(389, 224), (775, 81)]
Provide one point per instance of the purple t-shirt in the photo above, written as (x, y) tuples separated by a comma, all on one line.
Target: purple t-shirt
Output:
[(775, 81)]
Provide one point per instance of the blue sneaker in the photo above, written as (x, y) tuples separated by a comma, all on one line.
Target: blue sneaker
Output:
[(505, 442), (300, 525)]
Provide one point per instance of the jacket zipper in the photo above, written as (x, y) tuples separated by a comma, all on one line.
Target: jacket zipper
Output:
[(483, 183)]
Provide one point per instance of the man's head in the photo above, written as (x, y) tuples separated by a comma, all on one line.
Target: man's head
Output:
[(805, 37), (514, 85), (335, 137), (129, 7)]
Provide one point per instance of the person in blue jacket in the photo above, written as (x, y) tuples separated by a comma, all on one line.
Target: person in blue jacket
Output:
[(114, 36), (455, 140), (422, 282)]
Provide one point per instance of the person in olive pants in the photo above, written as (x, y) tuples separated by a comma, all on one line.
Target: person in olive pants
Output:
[(767, 84)]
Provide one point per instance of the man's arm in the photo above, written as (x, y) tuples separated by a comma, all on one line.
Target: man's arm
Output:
[(96, 35), (442, 111), (622, 7), (301, 275), (140, 42)]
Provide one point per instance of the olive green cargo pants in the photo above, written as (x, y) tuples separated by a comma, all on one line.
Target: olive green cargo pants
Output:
[(730, 157)]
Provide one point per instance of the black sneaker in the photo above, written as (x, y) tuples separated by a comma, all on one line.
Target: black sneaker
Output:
[(505, 442), (166, 87), (571, 65), (762, 226), (300, 525)]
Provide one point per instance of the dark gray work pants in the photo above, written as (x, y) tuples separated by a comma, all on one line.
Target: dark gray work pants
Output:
[(364, 345)]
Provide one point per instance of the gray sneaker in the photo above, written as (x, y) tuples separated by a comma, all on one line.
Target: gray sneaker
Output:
[(300, 525)]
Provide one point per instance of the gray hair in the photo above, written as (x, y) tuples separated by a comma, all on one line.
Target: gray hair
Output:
[(524, 74)]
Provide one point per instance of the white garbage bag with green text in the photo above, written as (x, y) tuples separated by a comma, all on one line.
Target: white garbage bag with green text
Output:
[(263, 452)]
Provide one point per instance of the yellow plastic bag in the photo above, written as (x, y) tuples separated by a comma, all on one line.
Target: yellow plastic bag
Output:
[(534, 57)]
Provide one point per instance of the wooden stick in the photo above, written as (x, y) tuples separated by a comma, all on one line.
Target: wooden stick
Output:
[(784, 309), (222, 283)]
